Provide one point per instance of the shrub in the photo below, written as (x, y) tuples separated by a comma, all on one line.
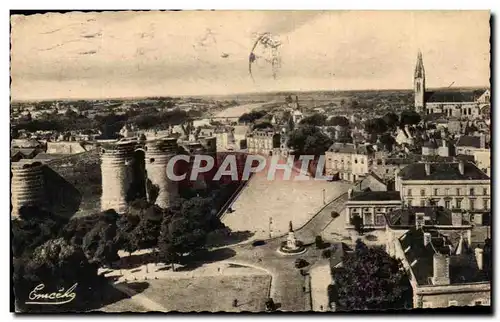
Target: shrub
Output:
[(319, 242), (335, 214)]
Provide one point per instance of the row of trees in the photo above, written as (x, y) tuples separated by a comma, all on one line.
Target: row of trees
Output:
[(59, 253), (110, 124)]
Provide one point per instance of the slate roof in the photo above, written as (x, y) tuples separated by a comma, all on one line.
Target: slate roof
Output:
[(405, 217), (351, 148), (469, 140), (375, 196), (458, 96), (463, 267), (442, 171)]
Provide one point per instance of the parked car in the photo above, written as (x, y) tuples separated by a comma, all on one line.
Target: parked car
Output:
[(258, 243), (300, 263)]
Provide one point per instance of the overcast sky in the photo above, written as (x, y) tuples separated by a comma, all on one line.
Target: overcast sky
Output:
[(124, 54)]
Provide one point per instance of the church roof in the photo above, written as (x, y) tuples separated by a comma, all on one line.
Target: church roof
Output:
[(454, 96)]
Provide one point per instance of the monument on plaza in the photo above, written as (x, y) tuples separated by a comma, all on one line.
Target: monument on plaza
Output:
[(291, 246)]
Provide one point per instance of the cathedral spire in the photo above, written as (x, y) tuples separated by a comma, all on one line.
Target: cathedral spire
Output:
[(419, 68)]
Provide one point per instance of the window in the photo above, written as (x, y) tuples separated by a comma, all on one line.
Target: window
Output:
[(436, 191), (409, 192), (452, 303), (447, 204), (471, 191), (458, 191), (422, 192), (380, 220), (485, 191), (379, 161), (356, 161), (472, 204), (368, 219), (459, 203), (362, 161), (485, 204), (447, 191), (410, 202), (422, 203)]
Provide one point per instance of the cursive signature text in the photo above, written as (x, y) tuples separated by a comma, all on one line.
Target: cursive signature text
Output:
[(54, 298)]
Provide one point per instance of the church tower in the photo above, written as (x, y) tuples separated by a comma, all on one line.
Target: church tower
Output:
[(419, 84)]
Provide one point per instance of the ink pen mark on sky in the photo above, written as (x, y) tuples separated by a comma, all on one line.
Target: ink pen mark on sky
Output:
[(58, 45)]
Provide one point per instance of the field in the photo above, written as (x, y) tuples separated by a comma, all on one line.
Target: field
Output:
[(210, 293)]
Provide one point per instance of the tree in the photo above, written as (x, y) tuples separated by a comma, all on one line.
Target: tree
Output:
[(391, 119), (375, 126), (315, 119), (57, 265), (262, 125), (99, 244), (338, 121), (409, 117), (309, 140), (372, 280), (388, 141), (145, 234), (185, 228), (33, 228), (319, 242), (251, 117), (125, 227)]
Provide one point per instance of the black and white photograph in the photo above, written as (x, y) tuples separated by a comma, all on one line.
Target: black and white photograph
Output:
[(246, 161)]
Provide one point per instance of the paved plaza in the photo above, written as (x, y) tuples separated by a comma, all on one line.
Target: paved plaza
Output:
[(265, 207)]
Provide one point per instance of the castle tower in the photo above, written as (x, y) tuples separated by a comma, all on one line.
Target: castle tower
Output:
[(116, 169), (27, 185), (158, 153), (419, 84)]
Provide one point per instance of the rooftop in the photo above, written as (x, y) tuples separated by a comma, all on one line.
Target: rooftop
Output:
[(405, 217), (458, 96), (463, 264), (442, 171), (471, 141), (351, 148), (375, 196)]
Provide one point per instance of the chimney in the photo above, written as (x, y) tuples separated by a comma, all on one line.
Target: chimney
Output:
[(349, 194), (427, 238), (427, 169), (461, 167), (441, 269), (479, 258), (482, 141)]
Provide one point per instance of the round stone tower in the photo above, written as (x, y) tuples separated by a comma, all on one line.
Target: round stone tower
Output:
[(116, 161), (27, 185), (158, 153)]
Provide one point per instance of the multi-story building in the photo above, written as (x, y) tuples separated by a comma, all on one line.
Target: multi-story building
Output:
[(266, 142), (458, 185), (349, 161), (371, 206), (444, 268)]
